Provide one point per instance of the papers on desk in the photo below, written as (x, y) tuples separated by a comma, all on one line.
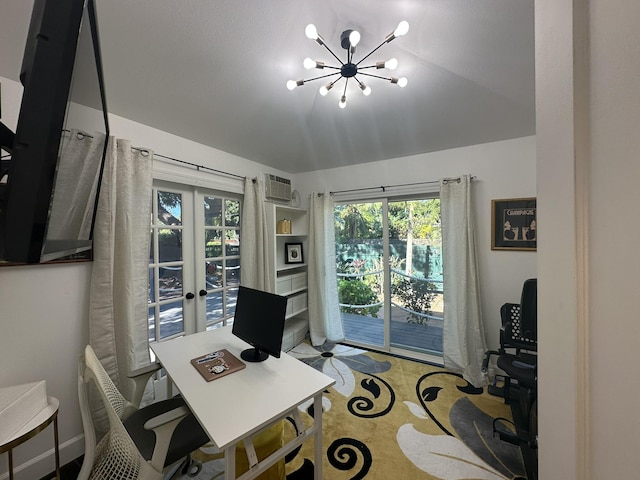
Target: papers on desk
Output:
[(217, 364)]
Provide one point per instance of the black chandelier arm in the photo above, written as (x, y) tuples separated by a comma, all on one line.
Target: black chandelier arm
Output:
[(331, 52), (371, 52), (322, 76), (372, 75)]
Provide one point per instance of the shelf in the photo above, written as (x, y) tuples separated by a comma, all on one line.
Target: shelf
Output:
[(291, 278), (292, 266), (293, 292)]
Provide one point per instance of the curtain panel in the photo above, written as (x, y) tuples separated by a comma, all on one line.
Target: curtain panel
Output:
[(257, 262), (118, 328), (463, 341), (325, 323)]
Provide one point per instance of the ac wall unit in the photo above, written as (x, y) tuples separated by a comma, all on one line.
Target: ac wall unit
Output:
[(277, 188)]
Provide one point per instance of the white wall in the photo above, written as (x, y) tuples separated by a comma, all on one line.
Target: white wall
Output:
[(503, 169), (588, 114)]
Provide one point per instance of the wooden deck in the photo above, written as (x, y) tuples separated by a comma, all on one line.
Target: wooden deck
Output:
[(411, 336)]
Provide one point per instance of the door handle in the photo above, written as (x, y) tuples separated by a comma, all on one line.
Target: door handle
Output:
[(189, 296), (202, 293)]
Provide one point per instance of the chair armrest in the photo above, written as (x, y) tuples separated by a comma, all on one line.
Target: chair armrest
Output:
[(151, 368), (163, 426), (140, 377)]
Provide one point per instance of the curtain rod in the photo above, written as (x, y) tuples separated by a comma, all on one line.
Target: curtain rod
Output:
[(198, 167), (384, 187)]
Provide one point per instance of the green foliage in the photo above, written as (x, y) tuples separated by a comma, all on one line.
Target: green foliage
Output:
[(357, 292), (414, 294)]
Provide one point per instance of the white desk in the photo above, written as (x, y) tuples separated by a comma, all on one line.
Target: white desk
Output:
[(234, 407)]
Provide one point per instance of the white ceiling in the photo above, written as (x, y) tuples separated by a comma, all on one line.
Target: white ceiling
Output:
[(214, 71)]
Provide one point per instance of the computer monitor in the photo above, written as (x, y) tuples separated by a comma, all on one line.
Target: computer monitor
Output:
[(259, 321)]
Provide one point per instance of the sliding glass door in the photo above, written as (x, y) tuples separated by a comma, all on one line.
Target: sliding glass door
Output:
[(389, 264)]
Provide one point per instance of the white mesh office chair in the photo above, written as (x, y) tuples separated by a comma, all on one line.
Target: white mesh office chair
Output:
[(140, 444)]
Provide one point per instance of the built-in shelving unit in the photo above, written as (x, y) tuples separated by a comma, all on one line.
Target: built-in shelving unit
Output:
[(291, 278)]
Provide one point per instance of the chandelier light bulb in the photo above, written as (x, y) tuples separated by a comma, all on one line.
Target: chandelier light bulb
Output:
[(402, 82), (354, 38), (308, 63), (401, 29), (325, 89), (311, 32), (343, 101), (391, 64), (291, 84), (366, 89)]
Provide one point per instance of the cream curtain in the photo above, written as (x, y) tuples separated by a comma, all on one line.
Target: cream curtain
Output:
[(118, 300), (463, 340), (257, 265), (324, 312)]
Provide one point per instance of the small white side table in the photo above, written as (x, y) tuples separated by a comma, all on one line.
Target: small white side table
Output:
[(31, 429)]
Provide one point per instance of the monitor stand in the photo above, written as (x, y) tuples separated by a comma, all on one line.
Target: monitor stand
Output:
[(254, 355)]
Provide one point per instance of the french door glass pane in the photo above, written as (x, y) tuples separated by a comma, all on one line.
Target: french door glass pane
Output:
[(169, 245), (214, 271), (169, 208), (213, 242), (169, 282), (415, 264), (171, 319), (222, 257), (166, 266), (213, 212), (359, 254)]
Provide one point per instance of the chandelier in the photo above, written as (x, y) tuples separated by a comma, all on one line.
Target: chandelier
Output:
[(350, 68)]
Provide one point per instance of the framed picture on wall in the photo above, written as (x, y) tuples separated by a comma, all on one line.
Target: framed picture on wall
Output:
[(513, 224), (293, 253)]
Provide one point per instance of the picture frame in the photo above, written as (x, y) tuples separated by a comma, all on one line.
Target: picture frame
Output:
[(293, 253), (514, 224)]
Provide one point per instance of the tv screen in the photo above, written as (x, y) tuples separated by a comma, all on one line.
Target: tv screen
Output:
[(46, 211), (259, 321)]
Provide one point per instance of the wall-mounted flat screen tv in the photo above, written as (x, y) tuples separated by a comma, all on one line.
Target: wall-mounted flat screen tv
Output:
[(48, 198)]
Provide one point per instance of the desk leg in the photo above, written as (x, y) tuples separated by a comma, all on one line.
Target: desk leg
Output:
[(56, 445), (230, 463), (317, 420), (10, 452)]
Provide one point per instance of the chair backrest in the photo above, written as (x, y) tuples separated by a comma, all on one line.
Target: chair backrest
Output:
[(529, 309), (115, 456), (520, 321)]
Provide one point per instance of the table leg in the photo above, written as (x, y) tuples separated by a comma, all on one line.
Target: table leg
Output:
[(317, 420), (230, 463), (56, 446), (10, 452)]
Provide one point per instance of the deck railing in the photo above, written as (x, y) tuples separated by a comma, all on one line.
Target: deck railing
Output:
[(428, 316)]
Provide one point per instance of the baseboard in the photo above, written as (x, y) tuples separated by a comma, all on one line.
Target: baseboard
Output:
[(44, 463)]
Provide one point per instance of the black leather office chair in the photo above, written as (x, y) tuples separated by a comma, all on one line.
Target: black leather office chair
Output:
[(517, 358)]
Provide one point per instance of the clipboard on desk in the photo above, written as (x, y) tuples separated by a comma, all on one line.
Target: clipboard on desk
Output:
[(217, 364)]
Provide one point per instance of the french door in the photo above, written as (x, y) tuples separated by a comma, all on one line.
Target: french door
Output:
[(194, 260), (389, 266)]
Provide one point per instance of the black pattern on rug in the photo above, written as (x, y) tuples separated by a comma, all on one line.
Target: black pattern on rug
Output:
[(389, 417)]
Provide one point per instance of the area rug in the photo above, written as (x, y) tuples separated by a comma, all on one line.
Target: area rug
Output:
[(392, 418)]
